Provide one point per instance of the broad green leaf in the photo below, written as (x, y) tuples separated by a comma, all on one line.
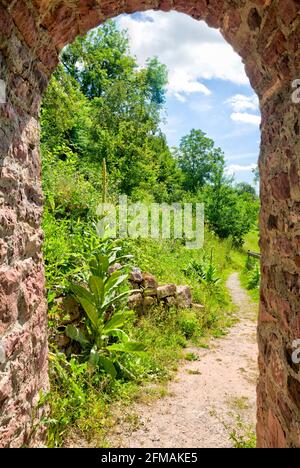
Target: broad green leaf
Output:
[(130, 347), (116, 321), (113, 283), (90, 311), (76, 335), (112, 276), (126, 372), (81, 292), (97, 288), (115, 299), (108, 366), (99, 266), (119, 334)]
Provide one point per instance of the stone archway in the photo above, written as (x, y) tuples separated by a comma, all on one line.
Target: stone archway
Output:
[(32, 32)]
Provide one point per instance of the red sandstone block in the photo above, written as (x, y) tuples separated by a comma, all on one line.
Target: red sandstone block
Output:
[(265, 317), (215, 13), (48, 56), (231, 24), (287, 11), (20, 151), (277, 369), (87, 5), (291, 282), (41, 4), (133, 6), (262, 2), (280, 186), (295, 327), (294, 39), (285, 411), (60, 14), (8, 311), (6, 23), (166, 5), (269, 25), (3, 251), (294, 181), (271, 391), (17, 342), (89, 20), (109, 8), (277, 437), (65, 33), (8, 221), (273, 52), (25, 22)]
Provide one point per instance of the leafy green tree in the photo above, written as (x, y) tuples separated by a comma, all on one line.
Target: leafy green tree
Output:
[(101, 105), (228, 213), (244, 187), (98, 58), (65, 118), (199, 160)]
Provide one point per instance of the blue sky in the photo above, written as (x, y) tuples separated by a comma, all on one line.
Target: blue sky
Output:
[(208, 88)]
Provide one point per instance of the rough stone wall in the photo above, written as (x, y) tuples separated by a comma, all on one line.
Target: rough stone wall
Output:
[(23, 332), (279, 320), (266, 34)]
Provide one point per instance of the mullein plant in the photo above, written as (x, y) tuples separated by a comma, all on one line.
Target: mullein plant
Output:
[(104, 340)]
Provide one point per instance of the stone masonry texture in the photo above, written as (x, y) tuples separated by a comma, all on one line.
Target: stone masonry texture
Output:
[(266, 34)]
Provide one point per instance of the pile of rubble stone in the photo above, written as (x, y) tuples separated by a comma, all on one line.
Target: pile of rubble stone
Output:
[(148, 293)]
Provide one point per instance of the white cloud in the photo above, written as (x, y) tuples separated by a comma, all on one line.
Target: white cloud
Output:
[(240, 102), (233, 168), (190, 49), (244, 117)]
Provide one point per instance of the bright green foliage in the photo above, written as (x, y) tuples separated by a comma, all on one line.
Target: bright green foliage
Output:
[(204, 271), (76, 402), (189, 324), (245, 188), (101, 120), (98, 59), (199, 160), (229, 213), (100, 105), (252, 270), (243, 436), (104, 338), (254, 278)]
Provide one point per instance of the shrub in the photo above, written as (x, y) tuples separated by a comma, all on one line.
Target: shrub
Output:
[(254, 278), (188, 324), (204, 270)]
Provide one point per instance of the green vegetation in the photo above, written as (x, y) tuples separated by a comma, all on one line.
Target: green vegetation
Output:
[(242, 435), (250, 274), (101, 137), (102, 322)]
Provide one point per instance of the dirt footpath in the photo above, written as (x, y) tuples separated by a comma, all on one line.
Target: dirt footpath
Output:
[(207, 395)]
